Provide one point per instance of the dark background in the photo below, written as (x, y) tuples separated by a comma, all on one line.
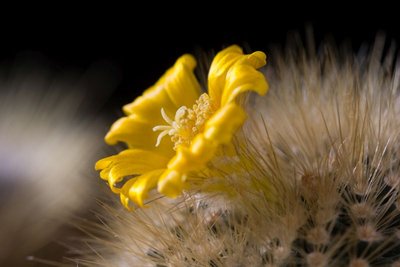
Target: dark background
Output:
[(142, 42)]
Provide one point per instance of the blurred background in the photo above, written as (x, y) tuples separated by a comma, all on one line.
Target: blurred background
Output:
[(65, 72), (143, 40)]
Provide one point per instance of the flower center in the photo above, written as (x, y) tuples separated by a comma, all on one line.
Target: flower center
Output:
[(187, 122)]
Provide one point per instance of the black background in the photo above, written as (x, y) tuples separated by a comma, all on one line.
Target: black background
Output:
[(143, 40)]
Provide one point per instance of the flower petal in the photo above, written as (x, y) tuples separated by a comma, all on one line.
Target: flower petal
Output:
[(195, 157), (147, 108), (256, 59), (138, 134), (221, 127), (181, 83), (231, 69), (143, 184), (171, 183), (242, 78), (129, 162), (137, 156), (177, 87), (218, 70), (124, 196), (136, 189)]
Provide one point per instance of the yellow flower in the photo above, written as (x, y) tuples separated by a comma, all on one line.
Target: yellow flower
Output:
[(197, 125)]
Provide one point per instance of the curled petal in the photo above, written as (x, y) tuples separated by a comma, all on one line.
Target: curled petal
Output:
[(195, 157), (124, 196), (104, 163), (242, 78), (181, 83), (127, 163), (146, 159), (177, 87), (223, 125), (256, 59), (137, 134), (136, 189), (147, 107), (219, 68), (171, 183), (202, 148), (229, 70), (143, 184)]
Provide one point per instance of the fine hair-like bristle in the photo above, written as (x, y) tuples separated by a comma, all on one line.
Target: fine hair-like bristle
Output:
[(313, 181)]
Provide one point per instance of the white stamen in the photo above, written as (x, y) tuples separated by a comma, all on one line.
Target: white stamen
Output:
[(180, 112), (187, 122), (161, 128), (160, 136), (167, 129), (165, 117)]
